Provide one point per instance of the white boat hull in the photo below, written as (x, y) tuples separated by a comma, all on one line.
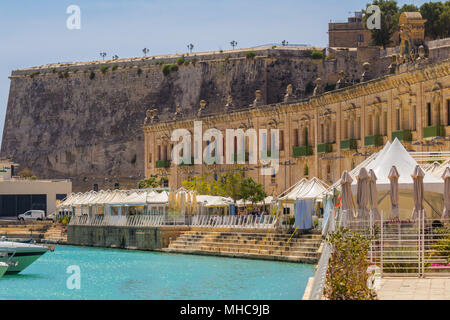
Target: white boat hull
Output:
[(3, 268), (19, 256)]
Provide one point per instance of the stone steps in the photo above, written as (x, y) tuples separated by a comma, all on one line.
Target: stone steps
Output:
[(311, 246), (250, 241), (268, 246), (55, 235), (24, 230)]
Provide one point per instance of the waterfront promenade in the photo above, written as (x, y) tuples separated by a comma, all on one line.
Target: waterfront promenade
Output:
[(414, 289)]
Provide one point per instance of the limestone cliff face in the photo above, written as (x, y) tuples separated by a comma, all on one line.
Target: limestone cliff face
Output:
[(83, 121)]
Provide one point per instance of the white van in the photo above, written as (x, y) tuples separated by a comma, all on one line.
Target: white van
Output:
[(32, 215)]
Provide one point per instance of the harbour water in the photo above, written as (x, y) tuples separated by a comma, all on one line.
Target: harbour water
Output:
[(122, 274)]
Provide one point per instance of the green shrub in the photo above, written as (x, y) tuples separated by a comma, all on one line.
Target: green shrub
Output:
[(250, 54), (194, 61), (186, 62), (114, 67), (173, 67), (330, 56), (104, 68), (168, 68), (65, 220), (92, 75), (317, 54), (347, 275), (180, 60), (33, 74)]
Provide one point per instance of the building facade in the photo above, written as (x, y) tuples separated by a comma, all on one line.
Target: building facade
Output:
[(18, 195), (325, 134), (350, 34)]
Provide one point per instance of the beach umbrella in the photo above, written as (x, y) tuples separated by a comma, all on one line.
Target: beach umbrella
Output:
[(194, 203), (418, 191), (362, 193), (373, 196), (446, 177), (347, 202), (393, 177), (188, 203)]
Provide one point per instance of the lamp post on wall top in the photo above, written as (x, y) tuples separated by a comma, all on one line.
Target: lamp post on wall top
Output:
[(286, 164)]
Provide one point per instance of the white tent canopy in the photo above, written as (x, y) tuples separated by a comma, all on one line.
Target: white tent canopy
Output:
[(306, 190), (368, 163), (214, 201), (153, 197), (397, 156), (267, 201)]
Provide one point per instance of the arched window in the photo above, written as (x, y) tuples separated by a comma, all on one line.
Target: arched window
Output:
[(448, 112), (116, 186), (306, 137), (377, 124), (95, 187), (429, 120)]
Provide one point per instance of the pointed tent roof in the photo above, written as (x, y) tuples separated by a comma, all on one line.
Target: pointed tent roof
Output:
[(309, 189), (368, 163), (214, 201), (397, 156), (158, 198)]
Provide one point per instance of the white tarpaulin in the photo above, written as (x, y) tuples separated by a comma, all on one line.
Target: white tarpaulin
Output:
[(306, 190), (368, 163), (157, 198), (214, 201), (267, 201), (397, 156)]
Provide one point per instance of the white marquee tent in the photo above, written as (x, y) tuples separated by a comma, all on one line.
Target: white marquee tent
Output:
[(306, 190), (396, 155)]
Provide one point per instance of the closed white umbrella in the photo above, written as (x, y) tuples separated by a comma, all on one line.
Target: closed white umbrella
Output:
[(446, 177), (373, 198), (362, 194), (347, 202), (393, 177), (418, 191)]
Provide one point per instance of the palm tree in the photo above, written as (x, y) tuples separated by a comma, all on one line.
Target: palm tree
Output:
[(284, 43), (103, 55), (145, 51), (233, 44), (115, 57), (190, 47)]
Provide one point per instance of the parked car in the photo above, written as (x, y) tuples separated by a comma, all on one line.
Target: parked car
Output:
[(32, 215)]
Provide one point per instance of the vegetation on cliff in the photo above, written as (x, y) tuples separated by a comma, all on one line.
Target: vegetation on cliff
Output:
[(437, 15)]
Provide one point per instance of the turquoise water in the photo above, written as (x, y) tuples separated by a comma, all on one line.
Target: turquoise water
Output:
[(122, 274)]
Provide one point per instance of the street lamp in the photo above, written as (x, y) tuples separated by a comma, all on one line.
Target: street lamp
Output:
[(285, 164), (332, 158)]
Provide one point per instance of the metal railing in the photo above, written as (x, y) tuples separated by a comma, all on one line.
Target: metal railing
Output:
[(322, 266), (126, 221), (248, 221), (413, 247)]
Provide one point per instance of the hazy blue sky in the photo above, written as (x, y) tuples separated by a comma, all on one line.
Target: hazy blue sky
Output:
[(33, 32)]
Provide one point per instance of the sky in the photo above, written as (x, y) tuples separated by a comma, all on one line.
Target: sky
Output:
[(34, 33)]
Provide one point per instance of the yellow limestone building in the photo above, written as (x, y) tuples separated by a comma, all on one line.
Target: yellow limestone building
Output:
[(332, 131), (327, 133)]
